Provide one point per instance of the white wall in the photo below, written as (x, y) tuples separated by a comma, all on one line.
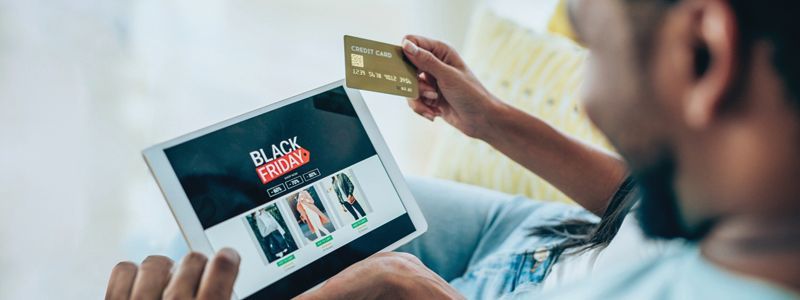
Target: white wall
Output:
[(86, 84)]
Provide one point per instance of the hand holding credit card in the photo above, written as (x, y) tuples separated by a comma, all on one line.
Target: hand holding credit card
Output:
[(441, 83), (379, 67)]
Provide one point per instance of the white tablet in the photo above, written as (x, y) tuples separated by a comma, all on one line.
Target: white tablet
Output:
[(301, 189)]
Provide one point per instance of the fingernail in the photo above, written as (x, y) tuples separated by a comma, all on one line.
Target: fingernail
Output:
[(431, 95), (229, 254), (410, 47), (428, 116)]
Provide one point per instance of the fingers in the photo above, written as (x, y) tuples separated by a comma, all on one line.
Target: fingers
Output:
[(152, 277), (426, 61), (121, 281), (185, 282), (217, 282), (425, 105), (422, 109), (427, 91), (439, 49)]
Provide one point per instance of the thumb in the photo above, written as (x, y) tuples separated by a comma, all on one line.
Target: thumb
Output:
[(425, 61)]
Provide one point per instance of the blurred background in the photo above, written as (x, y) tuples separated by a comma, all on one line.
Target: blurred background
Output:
[(85, 85)]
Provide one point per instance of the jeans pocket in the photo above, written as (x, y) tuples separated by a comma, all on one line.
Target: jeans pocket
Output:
[(531, 267), (504, 273)]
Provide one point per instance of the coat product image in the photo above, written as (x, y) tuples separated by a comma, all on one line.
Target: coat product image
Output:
[(345, 193), (311, 214)]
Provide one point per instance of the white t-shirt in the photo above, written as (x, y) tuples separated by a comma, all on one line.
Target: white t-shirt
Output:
[(270, 224)]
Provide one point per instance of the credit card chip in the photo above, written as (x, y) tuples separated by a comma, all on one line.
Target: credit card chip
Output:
[(357, 60)]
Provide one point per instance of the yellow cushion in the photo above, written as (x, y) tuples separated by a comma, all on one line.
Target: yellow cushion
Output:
[(539, 73), (559, 21)]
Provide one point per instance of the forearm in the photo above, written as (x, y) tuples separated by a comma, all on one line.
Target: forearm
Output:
[(586, 174)]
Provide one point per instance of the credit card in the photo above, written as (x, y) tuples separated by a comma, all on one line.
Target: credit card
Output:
[(378, 67)]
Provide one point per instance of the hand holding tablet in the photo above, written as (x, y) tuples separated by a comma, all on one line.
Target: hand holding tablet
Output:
[(391, 275), (301, 189)]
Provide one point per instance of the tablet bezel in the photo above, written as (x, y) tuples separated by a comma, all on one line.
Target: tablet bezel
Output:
[(185, 215)]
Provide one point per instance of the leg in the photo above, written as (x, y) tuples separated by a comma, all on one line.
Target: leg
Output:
[(360, 209), (458, 217), (311, 230), (268, 248), (280, 241), (351, 210), (320, 227), (276, 248)]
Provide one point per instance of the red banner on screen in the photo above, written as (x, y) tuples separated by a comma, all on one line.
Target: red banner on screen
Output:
[(282, 165)]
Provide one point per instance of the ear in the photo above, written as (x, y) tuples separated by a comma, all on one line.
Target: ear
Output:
[(716, 60)]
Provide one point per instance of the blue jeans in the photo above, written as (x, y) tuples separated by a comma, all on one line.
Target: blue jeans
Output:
[(478, 239)]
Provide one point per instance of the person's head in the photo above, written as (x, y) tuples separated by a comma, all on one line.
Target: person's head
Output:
[(702, 99), (305, 195)]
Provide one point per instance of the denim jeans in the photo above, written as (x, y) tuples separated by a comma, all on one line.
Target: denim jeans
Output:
[(478, 239)]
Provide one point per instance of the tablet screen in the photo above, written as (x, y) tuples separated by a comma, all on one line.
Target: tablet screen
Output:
[(298, 191)]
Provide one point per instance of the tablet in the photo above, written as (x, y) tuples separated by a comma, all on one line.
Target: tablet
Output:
[(301, 189)]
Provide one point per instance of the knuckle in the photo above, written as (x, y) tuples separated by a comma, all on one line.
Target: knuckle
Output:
[(412, 258), (171, 294), (383, 256), (397, 263), (446, 46), (402, 255), (427, 57), (409, 258)]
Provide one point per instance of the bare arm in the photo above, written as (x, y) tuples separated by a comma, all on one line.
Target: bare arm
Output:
[(586, 174), (449, 90)]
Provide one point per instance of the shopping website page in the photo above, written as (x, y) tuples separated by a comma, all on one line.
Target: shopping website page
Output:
[(299, 192)]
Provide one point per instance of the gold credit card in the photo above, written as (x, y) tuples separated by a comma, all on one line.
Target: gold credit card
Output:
[(378, 67)]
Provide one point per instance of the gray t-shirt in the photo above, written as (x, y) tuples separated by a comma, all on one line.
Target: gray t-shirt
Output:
[(682, 274)]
